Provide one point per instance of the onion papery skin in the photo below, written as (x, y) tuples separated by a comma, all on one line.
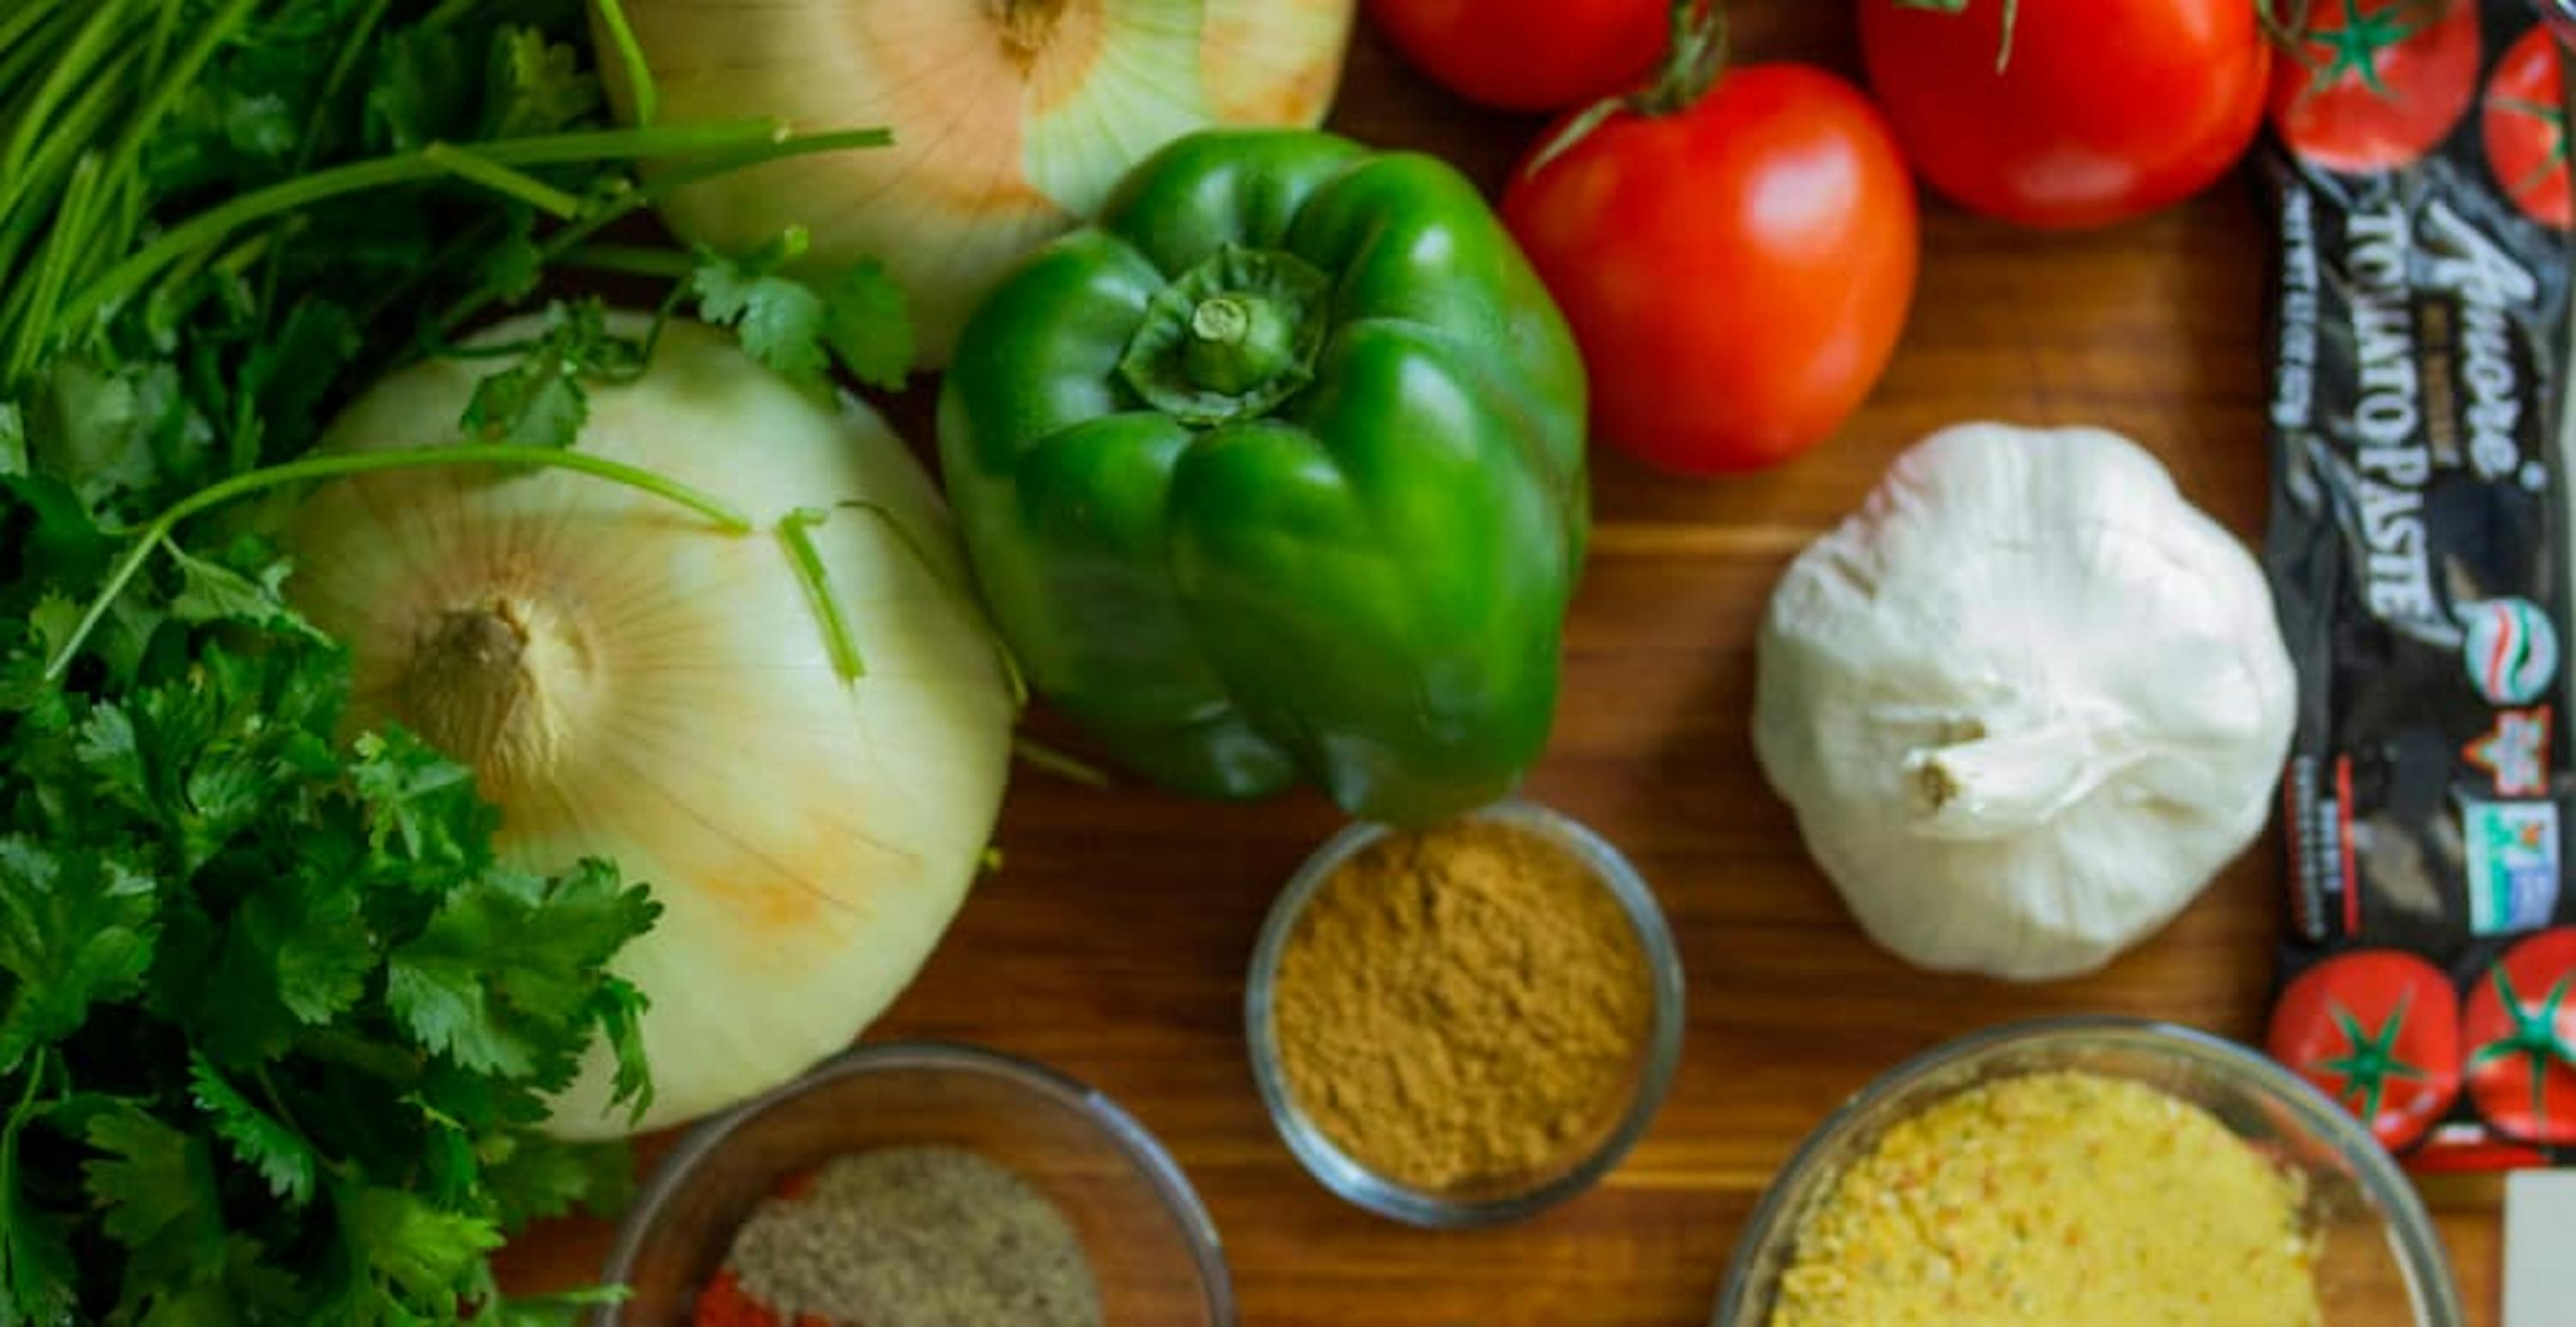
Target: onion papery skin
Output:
[(630, 682), (1012, 119)]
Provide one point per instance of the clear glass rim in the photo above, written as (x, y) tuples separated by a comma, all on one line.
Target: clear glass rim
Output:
[(1132, 1139), (1355, 1183), (2426, 1265)]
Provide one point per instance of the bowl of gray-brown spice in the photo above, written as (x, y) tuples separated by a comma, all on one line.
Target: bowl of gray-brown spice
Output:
[(922, 1185)]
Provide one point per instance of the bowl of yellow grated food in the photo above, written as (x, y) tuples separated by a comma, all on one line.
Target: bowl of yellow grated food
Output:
[(2103, 1171)]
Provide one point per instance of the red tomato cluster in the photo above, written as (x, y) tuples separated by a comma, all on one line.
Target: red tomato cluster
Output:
[(1736, 248), (2386, 1034)]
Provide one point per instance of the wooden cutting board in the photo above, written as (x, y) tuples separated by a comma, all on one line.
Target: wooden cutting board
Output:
[(1113, 944)]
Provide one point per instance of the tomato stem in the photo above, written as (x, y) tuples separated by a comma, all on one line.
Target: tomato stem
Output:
[(1696, 56), (2012, 14)]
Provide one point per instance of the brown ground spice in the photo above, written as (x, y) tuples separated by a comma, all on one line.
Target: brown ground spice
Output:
[(1462, 1005)]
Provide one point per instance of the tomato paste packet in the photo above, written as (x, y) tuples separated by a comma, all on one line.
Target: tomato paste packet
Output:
[(2419, 554)]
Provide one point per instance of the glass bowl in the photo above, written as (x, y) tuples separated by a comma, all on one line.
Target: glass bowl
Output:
[(1653, 1074), (2381, 1262), (1152, 1247)]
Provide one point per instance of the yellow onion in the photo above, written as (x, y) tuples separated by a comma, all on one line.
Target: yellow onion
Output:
[(630, 682), (1011, 118)]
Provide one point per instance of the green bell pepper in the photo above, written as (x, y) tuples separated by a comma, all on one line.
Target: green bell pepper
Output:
[(1277, 471)]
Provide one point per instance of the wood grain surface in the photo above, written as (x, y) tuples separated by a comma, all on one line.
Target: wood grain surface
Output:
[(1113, 943)]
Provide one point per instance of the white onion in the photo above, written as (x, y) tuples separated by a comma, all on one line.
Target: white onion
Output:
[(1011, 118), (631, 683)]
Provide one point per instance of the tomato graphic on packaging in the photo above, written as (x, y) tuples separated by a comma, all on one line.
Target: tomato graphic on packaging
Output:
[(2370, 85), (2525, 128), (2521, 1032), (2379, 1031)]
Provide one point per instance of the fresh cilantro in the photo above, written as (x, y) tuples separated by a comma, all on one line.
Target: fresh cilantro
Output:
[(538, 1177), (539, 401), (278, 1153), (406, 1244), (867, 326), (13, 440), (506, 966), (537, 86), (277, 1025), (75, 931), (155, 1185), (245, 583), (37, 1278), (856, 316)]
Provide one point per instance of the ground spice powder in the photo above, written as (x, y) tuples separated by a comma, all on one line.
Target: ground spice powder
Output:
[(1462, 1005), (914, 1237), (2056, 1198)]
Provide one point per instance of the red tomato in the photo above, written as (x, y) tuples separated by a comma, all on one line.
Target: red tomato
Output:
[(2103, 109), (2374, 84), (2377, 1030), (1735, 271), (2521, 1030), (2525, 129), (1528, 55)]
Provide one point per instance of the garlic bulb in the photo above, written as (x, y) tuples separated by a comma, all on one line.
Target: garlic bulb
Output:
[(629, 682), (2025, 703), (1011, 118)]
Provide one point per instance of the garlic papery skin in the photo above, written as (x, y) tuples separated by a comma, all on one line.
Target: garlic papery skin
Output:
[(2025, 703), (630, 682), (1012, 119)]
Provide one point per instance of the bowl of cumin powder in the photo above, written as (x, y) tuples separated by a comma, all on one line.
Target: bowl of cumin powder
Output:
[(1465, 1024)]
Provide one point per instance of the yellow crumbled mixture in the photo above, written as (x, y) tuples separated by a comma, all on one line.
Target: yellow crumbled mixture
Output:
[(2058, 1198)]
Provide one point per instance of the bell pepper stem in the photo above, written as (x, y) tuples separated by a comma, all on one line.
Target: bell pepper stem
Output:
[(1237, 342)]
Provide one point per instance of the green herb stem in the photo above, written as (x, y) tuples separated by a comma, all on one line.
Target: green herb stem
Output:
[(630, 59), (469, 164), (71, 71), (795, 535), (402, 168), (343, 464), (678, 176), (53, 269)]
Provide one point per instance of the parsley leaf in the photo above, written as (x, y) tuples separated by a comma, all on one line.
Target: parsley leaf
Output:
[(535, 1177), (781, 321), (419, 803), (157, 1188), (246, 585), (539, 401), (868, 326), (510, 964), (537, 86), (13, 439), (278, 1153), (419, 1248), (36, 1271), (858, 315), (75, 930)]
